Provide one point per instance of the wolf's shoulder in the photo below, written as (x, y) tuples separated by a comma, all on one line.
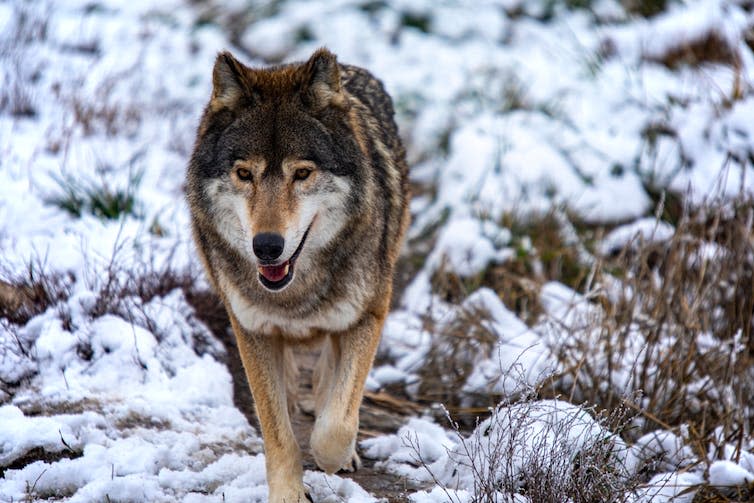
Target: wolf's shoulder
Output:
[(370, 91), (360, 83)]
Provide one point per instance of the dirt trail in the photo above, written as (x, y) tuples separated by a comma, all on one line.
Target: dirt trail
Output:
[(379, 413)]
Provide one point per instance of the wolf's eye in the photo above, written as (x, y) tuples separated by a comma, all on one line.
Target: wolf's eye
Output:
[(302, 174), (243, 174)]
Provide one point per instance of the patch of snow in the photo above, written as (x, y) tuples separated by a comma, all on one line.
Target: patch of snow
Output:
[(663, 450), (724, 473), (466, 246), (520, 358), (676, 487), (641, 232), (545, 433)]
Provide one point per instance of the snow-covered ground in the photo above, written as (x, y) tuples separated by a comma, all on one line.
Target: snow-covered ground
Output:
[(507, 106)]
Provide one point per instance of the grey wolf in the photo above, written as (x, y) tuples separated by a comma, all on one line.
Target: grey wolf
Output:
[(298, 194)]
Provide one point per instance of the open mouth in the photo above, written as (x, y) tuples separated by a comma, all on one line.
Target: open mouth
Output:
[(276, 277)]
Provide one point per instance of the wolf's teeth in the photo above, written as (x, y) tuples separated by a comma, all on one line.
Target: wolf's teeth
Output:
[(285, 271)]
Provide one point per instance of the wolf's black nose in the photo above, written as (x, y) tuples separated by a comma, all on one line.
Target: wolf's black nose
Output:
[(268, 245)]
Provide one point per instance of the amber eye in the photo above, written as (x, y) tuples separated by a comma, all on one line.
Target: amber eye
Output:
[(243, 174), (302, 174)]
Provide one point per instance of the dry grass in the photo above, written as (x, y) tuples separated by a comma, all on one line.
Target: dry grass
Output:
[(24, 295), (545, 249), (104, 114), (458, 346), (120, 289), (30, 292), (708, 47), (27, 26), (690, 299), (692, 303), (709, 494), (529, 448), (671, 324)]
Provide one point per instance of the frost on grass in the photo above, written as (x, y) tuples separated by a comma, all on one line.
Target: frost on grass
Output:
[(540, 450), (135, 407), (463, 353), (662, 327)]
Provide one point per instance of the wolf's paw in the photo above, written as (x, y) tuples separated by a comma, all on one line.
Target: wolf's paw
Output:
[(333, 446), (289, 495), (352, 464)]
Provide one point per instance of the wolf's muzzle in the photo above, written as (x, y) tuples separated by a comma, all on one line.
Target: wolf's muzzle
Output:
[(276, 277)]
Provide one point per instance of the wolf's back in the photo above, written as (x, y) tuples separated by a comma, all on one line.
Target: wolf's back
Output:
[(387, 153), (370, 91)]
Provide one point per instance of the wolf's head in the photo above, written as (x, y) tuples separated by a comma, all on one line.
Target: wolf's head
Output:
[(275, 161)]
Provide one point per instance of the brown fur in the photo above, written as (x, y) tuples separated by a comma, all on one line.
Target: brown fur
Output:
[(346, 217)]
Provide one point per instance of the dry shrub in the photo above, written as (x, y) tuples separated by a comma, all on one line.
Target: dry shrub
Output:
[(126, 286), (671, 323), (546, 451), (102, 113), (125, 289), (23, 295), (450, 286), (27, 26), (32, 291), (708, 47), (546, 247), (121, 288), (691, 303), (17, 96), (548, 242), (457, 346), (710, 494)]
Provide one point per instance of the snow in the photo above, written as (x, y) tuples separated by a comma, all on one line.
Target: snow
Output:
[(147, 407), (519, 360), (729, 474), (501, 450), (442, 494), (676, 487), (467, 246), (502, 112), (19, 434), (518, 437), (419, 441), (643, 231), (665, 450)]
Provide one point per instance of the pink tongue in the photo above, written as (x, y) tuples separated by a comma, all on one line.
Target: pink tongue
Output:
[(274, 272)]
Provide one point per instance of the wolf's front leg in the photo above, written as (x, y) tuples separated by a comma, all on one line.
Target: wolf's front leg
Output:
[(264, 361), (342, 373)]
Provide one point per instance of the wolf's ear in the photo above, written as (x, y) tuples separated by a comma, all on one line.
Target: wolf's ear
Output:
[(230, 82), (323, 81)]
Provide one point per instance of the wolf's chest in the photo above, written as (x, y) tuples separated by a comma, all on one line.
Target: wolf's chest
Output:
[(263, 319)]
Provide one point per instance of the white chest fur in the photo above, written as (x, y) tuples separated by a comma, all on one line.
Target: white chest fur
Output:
[(260, 319)]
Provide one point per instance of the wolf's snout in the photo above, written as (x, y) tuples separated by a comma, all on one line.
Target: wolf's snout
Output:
[(268, 246)]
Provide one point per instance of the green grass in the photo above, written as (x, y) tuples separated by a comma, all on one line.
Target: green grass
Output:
[(97, 197)]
